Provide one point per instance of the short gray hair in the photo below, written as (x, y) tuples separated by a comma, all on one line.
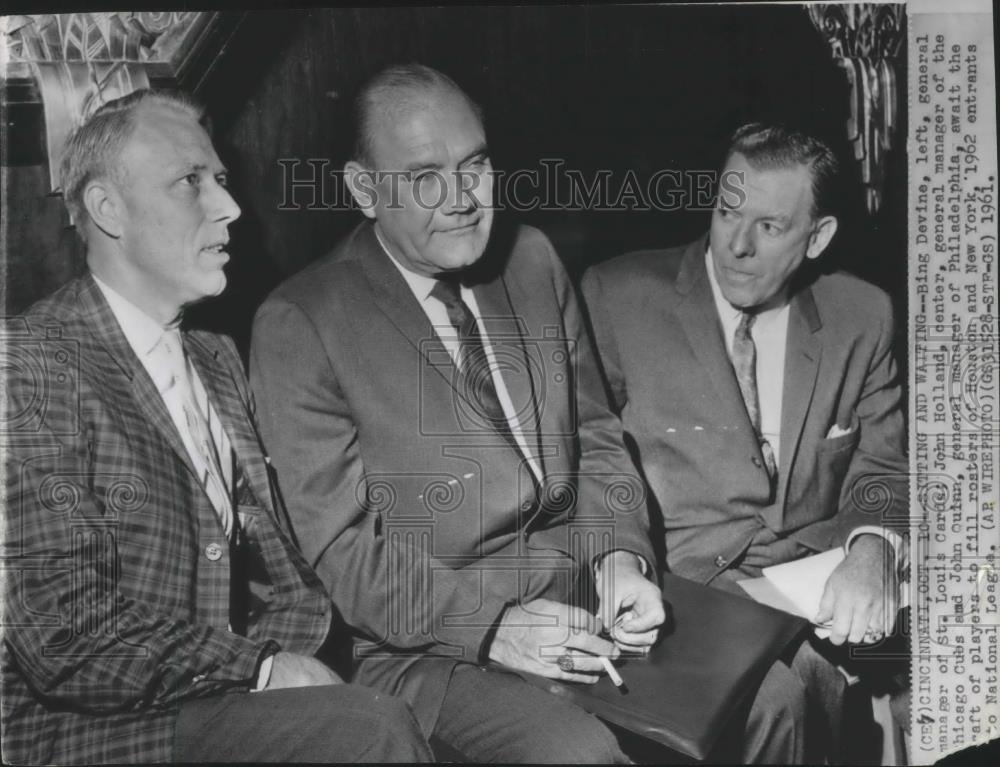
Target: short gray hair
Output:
[(93, 149), (396, 86)]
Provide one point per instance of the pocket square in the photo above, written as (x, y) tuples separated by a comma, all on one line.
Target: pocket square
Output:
[(839, 431)]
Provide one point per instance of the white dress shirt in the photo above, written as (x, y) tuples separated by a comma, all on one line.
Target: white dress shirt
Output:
[(421, 287), (144, 335), (770, 335)]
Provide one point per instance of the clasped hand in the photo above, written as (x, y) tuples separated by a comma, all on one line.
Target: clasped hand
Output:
[(630, 605), (533, 636), (861, 596)]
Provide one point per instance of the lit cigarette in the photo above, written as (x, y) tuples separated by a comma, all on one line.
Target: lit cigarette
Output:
[(613, 674)]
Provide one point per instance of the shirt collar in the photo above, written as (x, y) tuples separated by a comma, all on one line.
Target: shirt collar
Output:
[(420, 284), (728, 313), (141, 331)]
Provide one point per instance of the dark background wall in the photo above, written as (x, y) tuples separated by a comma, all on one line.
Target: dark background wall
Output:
[(640, 88)]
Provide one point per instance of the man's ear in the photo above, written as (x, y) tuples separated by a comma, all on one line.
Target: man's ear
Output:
[(105, 207), (823, 231), (361, 184)]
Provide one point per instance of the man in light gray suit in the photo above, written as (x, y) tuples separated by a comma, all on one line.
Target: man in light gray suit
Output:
[(762, 397)]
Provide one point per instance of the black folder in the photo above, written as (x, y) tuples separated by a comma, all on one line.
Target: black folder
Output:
[(705, 667)]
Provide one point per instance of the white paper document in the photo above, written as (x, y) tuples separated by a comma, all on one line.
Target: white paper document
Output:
[(796, 586)]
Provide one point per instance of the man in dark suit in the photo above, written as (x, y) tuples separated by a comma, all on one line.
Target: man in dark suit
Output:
[(439, 426), (762, 399), (148, 589)]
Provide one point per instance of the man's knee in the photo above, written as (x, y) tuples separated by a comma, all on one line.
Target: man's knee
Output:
[(390, 725), (776, 725), (579, 738), (585, 742), (384, 712), (396, 715), (595, 744), (781, 695)]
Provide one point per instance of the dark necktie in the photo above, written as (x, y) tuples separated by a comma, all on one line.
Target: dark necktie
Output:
[(745, 364), (476, 380)]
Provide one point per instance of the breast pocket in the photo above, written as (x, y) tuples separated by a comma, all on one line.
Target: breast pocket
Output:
[(833, 458)]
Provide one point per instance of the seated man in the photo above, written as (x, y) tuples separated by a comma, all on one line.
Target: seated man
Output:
[(149, 590), (762, 398), (443, 441)]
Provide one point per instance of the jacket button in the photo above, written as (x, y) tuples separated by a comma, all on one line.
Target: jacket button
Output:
[(213, 552), (755, 461), (721, 561)]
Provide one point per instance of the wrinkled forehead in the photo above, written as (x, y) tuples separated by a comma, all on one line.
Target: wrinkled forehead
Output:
[(166, 135), (408, 126), (771, 187)]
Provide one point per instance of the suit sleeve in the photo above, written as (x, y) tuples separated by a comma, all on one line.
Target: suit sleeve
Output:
[(876, 485), (610, 492), (70, 625), (604, 340), (292, 606), (382, 586)]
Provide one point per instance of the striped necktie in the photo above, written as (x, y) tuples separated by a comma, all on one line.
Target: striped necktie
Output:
[(473, 364), (745, 364), (195, 427)]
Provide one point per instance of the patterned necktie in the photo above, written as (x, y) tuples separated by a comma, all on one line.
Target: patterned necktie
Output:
[(198, 440), (477, 380), (745, 364)]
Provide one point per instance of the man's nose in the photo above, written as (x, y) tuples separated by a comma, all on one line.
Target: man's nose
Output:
[(741, 241), (221, 205), (460, 197)]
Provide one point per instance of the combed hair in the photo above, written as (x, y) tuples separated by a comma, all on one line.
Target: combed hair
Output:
[(395, 86), (778, 146), (92, 151)]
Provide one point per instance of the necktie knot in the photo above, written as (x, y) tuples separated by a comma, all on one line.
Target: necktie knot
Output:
[(168, 356), (448, 292)]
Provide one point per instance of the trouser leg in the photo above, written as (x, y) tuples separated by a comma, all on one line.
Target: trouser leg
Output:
[(495, 716), (330, 723), (797, 714)]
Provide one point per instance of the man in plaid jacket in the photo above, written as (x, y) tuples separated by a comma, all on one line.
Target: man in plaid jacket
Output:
[(149, 590)]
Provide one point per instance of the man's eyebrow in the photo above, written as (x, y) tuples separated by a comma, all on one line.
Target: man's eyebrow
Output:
[(479, 151), (183, 168), (419, 165), (422, 165)]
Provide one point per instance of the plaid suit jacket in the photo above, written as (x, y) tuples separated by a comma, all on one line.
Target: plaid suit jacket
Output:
[(117, 572)]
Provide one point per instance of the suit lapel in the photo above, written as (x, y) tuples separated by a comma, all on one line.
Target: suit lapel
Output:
[(140, 387), (506, 331), (224, 394), (394, 298), (697, 316), (803, 351)]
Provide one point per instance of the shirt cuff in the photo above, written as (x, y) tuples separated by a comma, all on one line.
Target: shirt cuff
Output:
[(264, 675), (895, 540), (644, 566)]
